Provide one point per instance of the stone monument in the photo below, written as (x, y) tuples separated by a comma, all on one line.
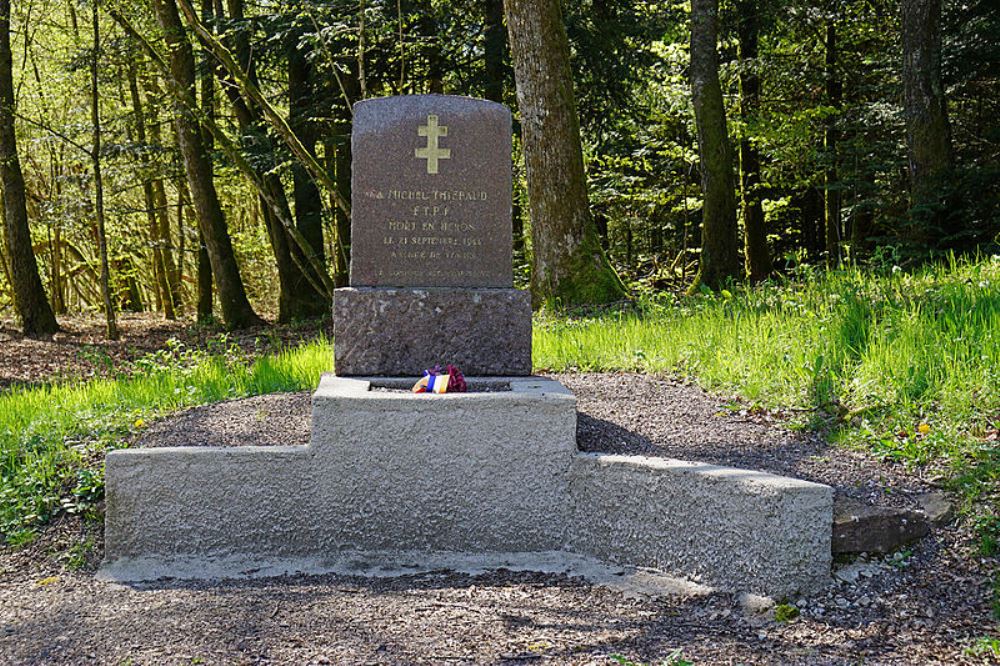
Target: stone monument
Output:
[(396, 481), (431, 269)]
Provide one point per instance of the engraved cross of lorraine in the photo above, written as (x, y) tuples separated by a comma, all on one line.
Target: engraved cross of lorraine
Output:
[(432, 153)]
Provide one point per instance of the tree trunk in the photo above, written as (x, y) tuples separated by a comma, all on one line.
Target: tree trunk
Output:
[(236, 309), (719, 245), (342, 173), (494, 48), (569, 266), (831, 184), (164, 295), (307, 301), (299, 294), (30, 303), (95, 157), (173, 265), (928, 137), (756, 254)]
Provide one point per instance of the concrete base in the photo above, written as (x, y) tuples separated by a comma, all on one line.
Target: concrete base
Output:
[(479, 474)]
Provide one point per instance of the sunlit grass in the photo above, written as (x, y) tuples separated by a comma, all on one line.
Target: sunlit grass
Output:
[(53, 437), (905, 365)]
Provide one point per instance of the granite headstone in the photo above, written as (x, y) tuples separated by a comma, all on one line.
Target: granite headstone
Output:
[(431, 244), (432, 193)]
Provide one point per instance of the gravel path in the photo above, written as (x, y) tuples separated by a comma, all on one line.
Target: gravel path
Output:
[(619, 413), (924, 608)]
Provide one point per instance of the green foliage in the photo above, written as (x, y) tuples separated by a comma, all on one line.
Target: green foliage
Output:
[(987, 647), (906, 365), (675, 658), (988, 528), (785, 613), (53, 438)]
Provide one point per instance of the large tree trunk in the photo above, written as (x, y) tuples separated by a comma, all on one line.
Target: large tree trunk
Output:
[(569, 266), (30, 303), (719, 245), (831, 184), (236, 309), (928, 137), (95, 158), (756, 254)]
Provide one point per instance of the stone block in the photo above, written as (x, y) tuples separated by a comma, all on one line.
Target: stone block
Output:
[(862, 528), (729, 528), (392, 332), (462, 472)]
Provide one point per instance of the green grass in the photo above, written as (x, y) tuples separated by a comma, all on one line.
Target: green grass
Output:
[(53, 438), (905, 365)]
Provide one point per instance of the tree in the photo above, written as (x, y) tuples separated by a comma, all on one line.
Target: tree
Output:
[(758, 258), (95, 158), (928, 136), (568, 264), (236, 310), (831, 136), (719, 246), (30, 302)]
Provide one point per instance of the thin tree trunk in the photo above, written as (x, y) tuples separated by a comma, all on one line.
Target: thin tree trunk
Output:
[(719, 245), (307, 301), (863, 217), (171, 264), (831, 184), (236, 309), (32, 307), (58, 293), (569, 266), (95, 157), (495, 46), (342, 173), (928, 136), (756, 255), (164, 295)]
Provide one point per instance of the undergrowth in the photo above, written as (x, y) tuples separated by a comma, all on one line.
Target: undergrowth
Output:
[(53, 438)]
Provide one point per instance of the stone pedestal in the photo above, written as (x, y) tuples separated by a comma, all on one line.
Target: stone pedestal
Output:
[(403, 331), (489, 474)]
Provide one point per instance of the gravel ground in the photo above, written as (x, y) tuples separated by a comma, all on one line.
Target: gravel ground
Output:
[(922, 608)]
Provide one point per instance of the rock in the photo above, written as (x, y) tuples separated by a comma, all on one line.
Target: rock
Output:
[(860, 528), (754, 604), (937, 506), (850, 573)]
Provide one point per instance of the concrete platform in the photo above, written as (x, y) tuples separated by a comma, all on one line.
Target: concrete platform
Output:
[(488, 474)]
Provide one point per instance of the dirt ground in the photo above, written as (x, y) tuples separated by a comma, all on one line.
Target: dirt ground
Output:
[(927, 605), (80, 350)]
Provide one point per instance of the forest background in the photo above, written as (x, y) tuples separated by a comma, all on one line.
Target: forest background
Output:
[(822, 113)]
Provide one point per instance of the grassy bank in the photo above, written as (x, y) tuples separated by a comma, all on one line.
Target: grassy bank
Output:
[(53, 438), (904, 365)]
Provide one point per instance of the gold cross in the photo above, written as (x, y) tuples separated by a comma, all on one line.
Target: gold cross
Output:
[(432, 153)]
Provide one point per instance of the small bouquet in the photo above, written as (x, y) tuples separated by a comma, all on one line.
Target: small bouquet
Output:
[(437, 380)]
